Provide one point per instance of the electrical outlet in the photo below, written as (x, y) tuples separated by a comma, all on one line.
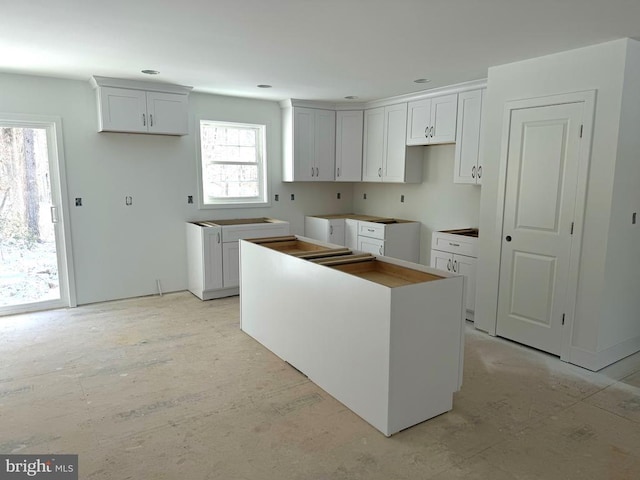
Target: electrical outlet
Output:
[(293, 197), (338, 195), (128, 200), (401, 198), (78, 201), (364, 196), (277, 197), (189, 198), (633, 218)]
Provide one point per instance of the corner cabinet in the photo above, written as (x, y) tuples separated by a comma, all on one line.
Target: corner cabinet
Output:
[(130, 106), (349, 126), (432, 120), (309, 144), (386, 157), (467, 165)]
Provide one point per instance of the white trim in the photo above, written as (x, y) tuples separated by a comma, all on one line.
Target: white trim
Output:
[(97, 82), (588, 99), (32, 307), (58, 180)]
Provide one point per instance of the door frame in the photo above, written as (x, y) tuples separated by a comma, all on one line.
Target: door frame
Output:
[(58, 180), (588, 98)]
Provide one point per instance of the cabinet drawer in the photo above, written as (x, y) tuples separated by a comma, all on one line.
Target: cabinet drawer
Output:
[(235, 233), (459, 244), (371, 230)]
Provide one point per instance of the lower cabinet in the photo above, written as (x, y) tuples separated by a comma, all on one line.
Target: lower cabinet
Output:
[(444, 259), (382, 336), (213, 253)]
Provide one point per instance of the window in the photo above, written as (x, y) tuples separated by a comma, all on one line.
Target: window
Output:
[(232, 161)]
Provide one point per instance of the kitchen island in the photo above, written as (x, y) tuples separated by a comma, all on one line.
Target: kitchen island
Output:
[(383, 336)]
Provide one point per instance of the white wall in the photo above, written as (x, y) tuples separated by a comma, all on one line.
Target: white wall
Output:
[(120, 251), (600, 67), (436, 202)]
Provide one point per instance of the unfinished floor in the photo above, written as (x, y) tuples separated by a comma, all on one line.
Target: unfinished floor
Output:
[(170, 388)]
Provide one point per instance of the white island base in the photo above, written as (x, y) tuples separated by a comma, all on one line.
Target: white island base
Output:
[(384, 337)]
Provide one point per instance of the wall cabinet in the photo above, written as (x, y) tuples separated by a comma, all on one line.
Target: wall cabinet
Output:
[(141, 107), (309, 144), (213, 252), (349, 125), (458, 254), (432, 120), (386, 157), (467, 166)]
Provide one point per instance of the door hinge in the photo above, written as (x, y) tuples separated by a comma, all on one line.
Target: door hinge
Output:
[(571, 228), (581, 127), (563, 318)]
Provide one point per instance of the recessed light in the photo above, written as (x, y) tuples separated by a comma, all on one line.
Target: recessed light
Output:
[(264, 86), (150, 72), (421, 80), (350, 97)]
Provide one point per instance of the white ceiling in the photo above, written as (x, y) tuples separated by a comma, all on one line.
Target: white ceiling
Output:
[(308, 49)]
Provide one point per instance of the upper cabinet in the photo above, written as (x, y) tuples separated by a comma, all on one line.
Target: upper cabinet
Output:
[(309, 144), (349, 125), (386, 157), (432, 120), (467, 166), (141, 107)]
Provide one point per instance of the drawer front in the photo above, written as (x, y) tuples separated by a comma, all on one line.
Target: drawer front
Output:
[(459, 244), (236, 232), (371, 230)]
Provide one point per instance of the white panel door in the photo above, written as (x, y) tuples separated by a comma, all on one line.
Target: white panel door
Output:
[(444, 111), (465, 160), (419, 122), (167, 113), (395, 143), (231, 264), (373, 145), (123, 110), (349, 146), (325, 144), (542, 172), (212, 254), (337, 231), (303, 144)]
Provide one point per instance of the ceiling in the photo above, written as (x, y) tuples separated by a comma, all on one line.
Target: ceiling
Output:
[(307, 49)]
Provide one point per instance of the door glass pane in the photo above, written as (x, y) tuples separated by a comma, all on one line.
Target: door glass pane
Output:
[(28, 259)]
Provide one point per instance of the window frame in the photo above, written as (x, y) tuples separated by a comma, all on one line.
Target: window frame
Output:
[(262, 200)]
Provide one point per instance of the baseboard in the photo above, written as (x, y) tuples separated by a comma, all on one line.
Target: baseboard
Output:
[(598, 360)]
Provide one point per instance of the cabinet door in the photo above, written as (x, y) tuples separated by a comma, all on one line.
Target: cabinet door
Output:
[(468, 137), (336, 231), (349, 125), (395, 143), (443, 119), (441, 260), (325, 145), (351, 233), (167, 113), (419, 122), (303, 144), (231, 264), (212, 254), (373, 145), (122, 110), (371, 245), (316, 228), (467, 266)]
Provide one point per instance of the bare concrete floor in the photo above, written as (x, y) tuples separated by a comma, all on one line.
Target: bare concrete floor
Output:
[(170, 388)]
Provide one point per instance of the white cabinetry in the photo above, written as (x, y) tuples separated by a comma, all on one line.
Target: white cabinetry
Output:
[(325, 229), (213, 252), (467, 167), (309, 144), (457, 254), (432, 120), (386, 157), (384, 337), (349, 126), (141, 107)]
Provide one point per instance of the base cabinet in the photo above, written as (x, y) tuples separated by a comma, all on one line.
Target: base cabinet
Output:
[(391, 351), (457, 254), (213, 253)]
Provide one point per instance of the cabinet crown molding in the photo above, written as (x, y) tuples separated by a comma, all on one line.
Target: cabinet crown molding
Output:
[(97, 82)]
